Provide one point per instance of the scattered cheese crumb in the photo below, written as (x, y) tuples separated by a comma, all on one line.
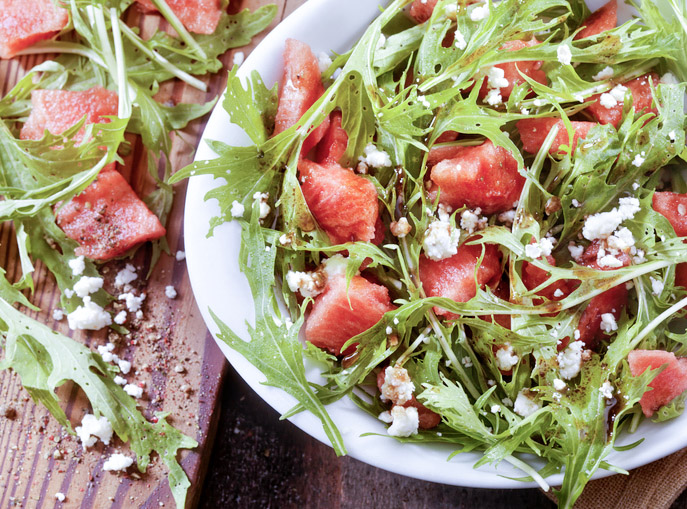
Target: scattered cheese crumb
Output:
[(180, 255), (119, 380), (170, 292), (124, 366), (262, 198), (496, 78), (570, 360), (493, 97), (77, 265), (559, 385), (575, 251), (60, 496), (405, 421), (237, 209), (57, 314), (441, 241), (400, 228), (133, 390), (460, 42), (120, 318), (397, 386), (506, 358), (607, 101), (558, 293), (375, 157), (471, 221), (495, 409), (606, 390), (669, 79), (90, 316), (239, 57), (656, 286), (117, 462), (524, 405), (133, 303), (125, 276), (87, 285), (386, 417), (92, 429), (479, 12), (608, 323), (324, 61), (309, 284), (604, 74), (564, 54), (638, 160)]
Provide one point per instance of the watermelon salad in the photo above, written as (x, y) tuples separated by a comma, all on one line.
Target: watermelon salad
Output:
[(474, 221)]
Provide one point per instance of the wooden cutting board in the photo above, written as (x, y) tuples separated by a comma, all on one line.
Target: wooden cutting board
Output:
[(37, 457)]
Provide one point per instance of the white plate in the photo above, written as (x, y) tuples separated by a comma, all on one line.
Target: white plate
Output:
[(218, 284)]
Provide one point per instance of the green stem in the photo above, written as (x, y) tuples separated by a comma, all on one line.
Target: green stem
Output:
[(179, 27), (124, 106)]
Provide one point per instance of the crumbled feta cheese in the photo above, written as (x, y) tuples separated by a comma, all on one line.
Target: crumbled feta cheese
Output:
[(495, 409), (577, 334), (459, 39), (90, 316), (656, 286), (125, 276), (237, 209), (87, 285), (537, 249), (638, 160), (57, 314), (608, 323), (564, 54), (471, 221), (105, 352), (120, 318), (559, 385), (77, 265), (607, 101), (606, 390), (524, 111), (386, 417), (324, 61), (466, 361), (405, 421), (238, 58), (506, 358), (507, 217), (609, 261), (496, 78), (400, 228), (570, 360), (92, 429), (117, 462), (493, 97), (68, 293), (524, 405), (618, 93), (309, 284), (441, 241), (262, 198), (133, 390), (119, 380), (575, 251), (601, 225), (170, 292), (133, 303), (558, 293), (669, 79), (124, 366), (538, 103), (375, 157), (397, 387), (180, 255), (335, 266), (604, 74), (479, 12), (423, 100), (60, 496), (576, 203), (621, 240), (507, 401)]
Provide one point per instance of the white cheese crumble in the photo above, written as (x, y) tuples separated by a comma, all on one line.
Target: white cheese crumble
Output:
[(92, 429), (386, 417), (77, 265), (470, 220), (656, 286), (575, 251), (87, 285), (133, 390), (570, 360), (119, 380), (237, 209), (374, 157), (125, 276), (460, 42), (133, 303), (609, 261), (57, 314), (405, 421), (124, 366), (608, 323), (496, 78), (262, 198), (506, 358), (180, 255), (400, 228), (638, 160), (120, 318), (170, 292), (60, 496), (238, 58), (493, 97), (495, 409), (564, 54), (441, 241), (90, 316), (479, 12), (558, 293), (324, 61), (397, 386), (537, 249), (524, 405), (669, 79), (607, 101), (606, 390), (307, 283), (117, 462), (559, 385), (672, 135), (618, 93), (601, 225), (604, 74)]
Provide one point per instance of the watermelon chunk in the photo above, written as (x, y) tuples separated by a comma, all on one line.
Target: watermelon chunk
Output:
[(198, 16), (641, 100), (300, 87), (421, 10), (454, 277), (533, 132), (512, 70), (533, 276), (604, 18), (108, 218), (669, 205), (333, 321), (25, 23), (668, 384), (343, 203), (58, 110), (335, 141), (681, 275), (484, 176)]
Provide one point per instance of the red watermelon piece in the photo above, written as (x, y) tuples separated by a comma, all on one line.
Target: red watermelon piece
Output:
[(198, 16), (108, 218), (668, 384), (512, 70), (454, 277), (335, 141), (58, 110), (533, 132), (604, 18), (641, 100), (337, 315), (590, 257), (421, 10), (484, 176), (669, 205), (533, 276), (25, 23), (300, 87), (343, 203), (441, 152), (681, 275)]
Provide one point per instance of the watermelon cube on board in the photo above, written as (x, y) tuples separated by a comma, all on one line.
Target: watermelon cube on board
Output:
[(533, 132), (484, 176), (198, 16), (512, 70), (23, 23), (454, 277), (668, 384), (108, 218), (343, 203), (58, 110), (300, 87), (604, 18), (339, 314), (641, 101)]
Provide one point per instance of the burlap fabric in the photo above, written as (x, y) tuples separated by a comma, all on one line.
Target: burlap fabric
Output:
[(653, 486)]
